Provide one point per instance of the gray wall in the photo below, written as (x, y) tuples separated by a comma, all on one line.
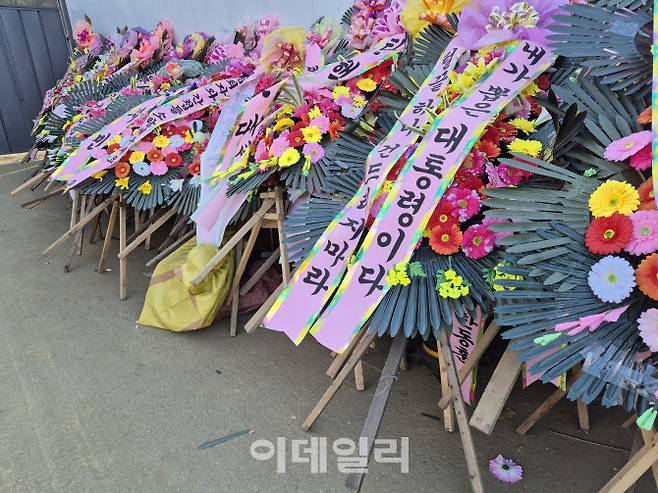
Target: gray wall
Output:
[(210, 16)]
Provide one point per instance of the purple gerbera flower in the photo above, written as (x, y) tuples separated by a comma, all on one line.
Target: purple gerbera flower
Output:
[(505, 470)]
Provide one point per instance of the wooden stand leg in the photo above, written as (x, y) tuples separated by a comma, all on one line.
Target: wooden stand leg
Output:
[(340, 378), (256, 319), (448, 416), (77, 238), (123, 267), (359, 381), (649, 436), (340, 359), (473, 359), (583, 415), (36, 179), (280, 216), (83, 207), (108, 236), (541, 411), (146, 233), (460, 413), (235, 295), (147, 243), (75, 205), (495, 396), (251, 282), (645, 458), (378, 405)]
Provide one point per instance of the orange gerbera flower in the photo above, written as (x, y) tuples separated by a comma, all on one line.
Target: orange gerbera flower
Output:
[(647, 197), (646, 276), (446, 238), (122, 169), (155, 154), (645, 117)]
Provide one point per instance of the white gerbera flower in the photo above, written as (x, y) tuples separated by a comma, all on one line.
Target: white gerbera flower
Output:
[(611, 279)]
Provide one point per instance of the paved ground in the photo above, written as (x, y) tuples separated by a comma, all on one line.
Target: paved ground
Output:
[(90, 402)]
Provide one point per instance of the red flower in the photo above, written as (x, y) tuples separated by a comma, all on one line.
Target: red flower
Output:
[(607, 235), (543, 82), (444, 214), (173, 159), (492, 135), (446, 238), (296, 138), (334, 127), (168, 130), (194, 168), (113, 147), (122, 169), (155, 154), (646, 276), (647, 197), (489, 149)]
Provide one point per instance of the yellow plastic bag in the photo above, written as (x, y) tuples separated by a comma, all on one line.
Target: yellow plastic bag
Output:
[(172, 303)]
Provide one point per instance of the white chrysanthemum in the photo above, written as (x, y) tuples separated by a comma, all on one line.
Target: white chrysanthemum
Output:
[(611, 279), (648, 326)]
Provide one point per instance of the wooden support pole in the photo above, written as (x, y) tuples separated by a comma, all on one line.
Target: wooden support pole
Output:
[(496, 393), (234, 296), (79, 225), (471, 362), (460, 413), (123, 266), (359, 350), (80, 236), (251, 282), (31, 204), (359, 380), (171, 248), (228, 246), (146, 233), (340, 359), (254, 322), (448, 415), (108, 236), (147, 243), (648, 437), (38, 178), (77, 238), (244, 259), (378, 404), (280, 216), (541, 411), (626, 477)]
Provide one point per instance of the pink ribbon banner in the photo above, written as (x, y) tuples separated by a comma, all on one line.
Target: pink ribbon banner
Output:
[(424, 179), (211, 94), (318, 276)]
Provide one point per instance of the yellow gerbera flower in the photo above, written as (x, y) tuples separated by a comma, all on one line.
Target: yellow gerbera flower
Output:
[(99, 175), (136, 156), (614, 196), (315, 112), (528, 147), (289, 157), (367, 84), (161, 141), (121, 183), (145, 188), (359, 101), (312, 134), (340, 91), (283, 123), (524, 125)]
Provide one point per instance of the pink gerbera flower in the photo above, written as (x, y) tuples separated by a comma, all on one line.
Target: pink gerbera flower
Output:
[(479, 241), (280, 144), (512, 176), (322, 122), (505, 470), (645, 233), (314, 151), (467, 202), (641, 160), (622, 149)]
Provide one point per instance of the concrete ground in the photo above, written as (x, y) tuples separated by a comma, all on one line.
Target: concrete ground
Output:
[(90, 402)]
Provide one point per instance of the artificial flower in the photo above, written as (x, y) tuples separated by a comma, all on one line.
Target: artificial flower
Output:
[(283, 48), (122, 169), (607, 235), (281, 143), (510, 175), (445, 213), (289, 157), (121, 183), (489, 22), (449, 284), (176, 141), (283, 124), (505, 470), (322, 122), (473, 164), (296, 138), (141, 168), (613, 196), (84, 35), (173, 159), (341, 91), (311, 134), (388, 22), (418, 14), (350, 111), (645, 117), (647, 197), (155, 154), (622, 149), (489, 149), (522, 124), (647, 324), (145, 188), (359, 101), (611, 279), (478, 241), (314, 151), (398, 275), (366, 84), (314, 112), (647, 276), (194, 167), (528, 147), (641, 160), (445, 238), (136, 156), (158, 168), (644, 238), (99, 175), (465, 201)]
